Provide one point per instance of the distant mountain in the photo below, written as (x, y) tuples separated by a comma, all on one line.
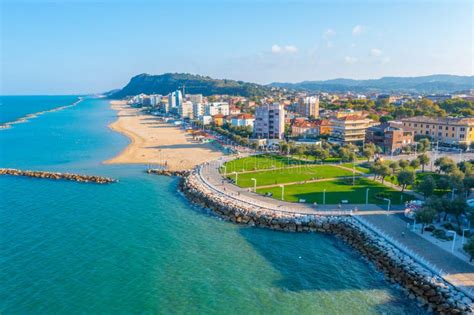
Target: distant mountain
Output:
[(424, 84), (194, 84)]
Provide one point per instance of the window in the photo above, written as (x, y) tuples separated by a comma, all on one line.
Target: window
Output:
[(440, 127), (463, 129), (461, 136), (453, 128), (421, 125), (416, 125), (427, 132), (446, 128)]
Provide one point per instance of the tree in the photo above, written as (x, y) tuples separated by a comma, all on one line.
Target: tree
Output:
[(423, 145), (284, 147), (384, 171), (425, 216), (456, 208), (403, 163), (375, 168), (466, 167), (427, 186), (321, 154), (405, 178), (423, 159), (445, 164), (415, 163), (456, 179), (469, 248), (394, 166), (369, 151)]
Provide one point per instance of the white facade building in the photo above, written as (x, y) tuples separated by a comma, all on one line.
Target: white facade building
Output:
[(185, 110), (198, 110), (215, 108), (242, 120), (269, 121)]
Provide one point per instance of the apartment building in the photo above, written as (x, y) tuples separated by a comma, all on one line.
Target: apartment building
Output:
[(449, 130), (185, 110), (215, 108), (349, 129), (269, 121), (391, 136), (243, 120), (308, 106)]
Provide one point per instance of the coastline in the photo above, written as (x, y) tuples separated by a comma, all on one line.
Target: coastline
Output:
[(153, 141), (28, 117)]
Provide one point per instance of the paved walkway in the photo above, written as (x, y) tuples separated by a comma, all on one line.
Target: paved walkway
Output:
[(396, 228)]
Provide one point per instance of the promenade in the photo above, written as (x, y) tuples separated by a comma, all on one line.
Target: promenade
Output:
[(451, 267)]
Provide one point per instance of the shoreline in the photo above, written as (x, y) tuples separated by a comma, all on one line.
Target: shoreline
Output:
[(28, 117), (153, 141)]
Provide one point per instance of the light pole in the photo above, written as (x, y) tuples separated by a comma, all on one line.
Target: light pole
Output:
[(388, 200), (463, 230), (236, 177), (254, 184), (225, 170), (454, 240), (367, 196), (324, 196), (282, 192), (353, 172)]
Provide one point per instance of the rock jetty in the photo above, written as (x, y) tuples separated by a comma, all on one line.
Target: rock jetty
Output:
[(167, 172), (417, 282), (52, 175)]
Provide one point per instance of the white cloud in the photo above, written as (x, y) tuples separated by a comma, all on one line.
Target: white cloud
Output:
[(290, 49), (329, 44), (350, 60), (375, 52), (328, 33), (357, 30), (276, 49), (385, 60)]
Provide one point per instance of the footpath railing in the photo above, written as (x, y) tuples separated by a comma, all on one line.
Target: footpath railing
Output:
[(416, 257)]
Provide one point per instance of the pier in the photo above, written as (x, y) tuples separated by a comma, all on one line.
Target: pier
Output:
[(58, 176)]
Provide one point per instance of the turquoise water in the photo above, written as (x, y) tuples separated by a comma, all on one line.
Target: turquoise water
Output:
[(139, 247), (14, 107)]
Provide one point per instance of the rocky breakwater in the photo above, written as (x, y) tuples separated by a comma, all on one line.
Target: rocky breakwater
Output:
[(57, 176), (429, 289), (167, 172)]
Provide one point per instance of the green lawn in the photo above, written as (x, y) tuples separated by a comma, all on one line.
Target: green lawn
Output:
[(336, 191), (359, 168), (264, 161), (288, 175)]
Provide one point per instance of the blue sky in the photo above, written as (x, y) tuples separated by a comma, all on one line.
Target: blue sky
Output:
[(55, 47)]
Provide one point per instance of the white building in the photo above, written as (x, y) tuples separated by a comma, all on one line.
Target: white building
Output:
[(244, 120), (185, 110), (155, 99), (206, 120), (269, 121), (309, 106), (198, 110), (175, 99), (215, 108)]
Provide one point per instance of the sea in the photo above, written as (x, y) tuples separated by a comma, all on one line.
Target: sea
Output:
[(139, 247)]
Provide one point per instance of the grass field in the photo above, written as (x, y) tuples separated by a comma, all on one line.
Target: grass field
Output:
[(264, 161), (336, 191), (357, 167), (288, 175)]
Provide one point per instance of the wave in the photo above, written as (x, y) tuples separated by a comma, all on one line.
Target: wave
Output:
[(28, 117)]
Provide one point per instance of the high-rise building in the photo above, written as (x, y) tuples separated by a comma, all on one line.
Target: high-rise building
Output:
[(194, 98), (175, 99), (349, 129), (269, 121), (309, 106), (198, 110), (185, 110)]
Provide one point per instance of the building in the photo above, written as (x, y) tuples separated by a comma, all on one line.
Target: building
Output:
[(391, 136), (304, 128), (234, 110), (245, 120), (185, 110), (308, 106), (155, 100), (438, 98), (269, 121), (218, 119), (215, 108), (349, 129), (175, 99), (445, 130), (198, 110), (205, 120)]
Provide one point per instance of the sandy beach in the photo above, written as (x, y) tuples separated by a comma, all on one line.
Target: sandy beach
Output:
[(156, 142)]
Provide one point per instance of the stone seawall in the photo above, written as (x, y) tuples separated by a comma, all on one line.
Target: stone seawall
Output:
[(429, 289), (57, 176), (167, 172)]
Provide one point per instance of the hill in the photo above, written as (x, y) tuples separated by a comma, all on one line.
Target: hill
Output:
[(424, 84), (194, 84)]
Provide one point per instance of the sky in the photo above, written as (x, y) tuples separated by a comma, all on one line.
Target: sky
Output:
[(69, 47)]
